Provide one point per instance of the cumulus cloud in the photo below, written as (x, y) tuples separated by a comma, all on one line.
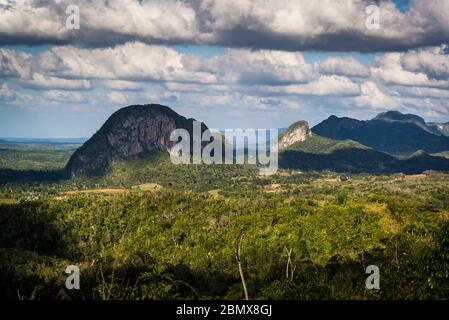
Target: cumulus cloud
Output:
[(422, 92), (122, 85), (39, 81), (344, 66), (136, 72), (388, 68), (131, 61), (38, 22), (374, 98), (135, 61), (197, 88), (428, 107), (270, 24), (123, 54), (14, 64), (433, 62), (326, 86), (261, 67)]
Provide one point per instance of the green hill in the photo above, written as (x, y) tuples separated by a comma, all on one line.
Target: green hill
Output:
[(318, 144), (320, 153)]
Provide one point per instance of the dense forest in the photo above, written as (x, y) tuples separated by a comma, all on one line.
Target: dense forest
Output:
[(152, 230)]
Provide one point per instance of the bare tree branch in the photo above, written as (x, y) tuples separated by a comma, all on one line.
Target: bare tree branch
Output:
[(239, 262)]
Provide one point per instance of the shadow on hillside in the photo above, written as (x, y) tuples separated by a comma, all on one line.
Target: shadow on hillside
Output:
[(25, 226), (31, 245), (355, 160), (34, 252), (24, 176), (26, 271), (141, 277)]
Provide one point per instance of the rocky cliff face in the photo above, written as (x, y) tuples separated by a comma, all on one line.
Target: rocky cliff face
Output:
[(129, 132), (297, 132), (440, 128)]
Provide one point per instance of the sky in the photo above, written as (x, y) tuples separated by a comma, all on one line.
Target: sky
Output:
[(230, 64)]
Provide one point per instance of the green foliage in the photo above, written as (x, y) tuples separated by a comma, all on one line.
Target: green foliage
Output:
[(318, 144), (178, 241), (437, 263), (172, 244), (155, 284), (38, 157)]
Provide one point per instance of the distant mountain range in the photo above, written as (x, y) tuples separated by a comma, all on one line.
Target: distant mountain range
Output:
[(391, 132), (313, 152), (337, 144)]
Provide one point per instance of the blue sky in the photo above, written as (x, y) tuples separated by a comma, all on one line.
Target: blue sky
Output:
[(246, 64)]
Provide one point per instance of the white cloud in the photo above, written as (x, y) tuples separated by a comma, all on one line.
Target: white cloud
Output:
[(344, 66), (388, 69), (117, 97), (131, 61), (263, 80), (135, 61), (433, 62), (435, 108), (39, 81), (432, 15), (374, 98), (32, 21), (270, 24), (333, 85), (319, 25), (261, 67), (122, 85), (197, 88), (422, 92), (14, 64), (63, 96)]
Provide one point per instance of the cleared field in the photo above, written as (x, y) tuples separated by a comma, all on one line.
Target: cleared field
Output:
[(99, 191)]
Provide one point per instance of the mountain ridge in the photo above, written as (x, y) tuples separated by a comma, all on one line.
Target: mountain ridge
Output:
[(391, 132), (138, 130)]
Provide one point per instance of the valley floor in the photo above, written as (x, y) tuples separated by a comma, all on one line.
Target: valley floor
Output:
[(151, 230)]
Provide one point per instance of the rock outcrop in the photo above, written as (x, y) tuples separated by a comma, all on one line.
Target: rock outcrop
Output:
[(130, 132), (297, 132)]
